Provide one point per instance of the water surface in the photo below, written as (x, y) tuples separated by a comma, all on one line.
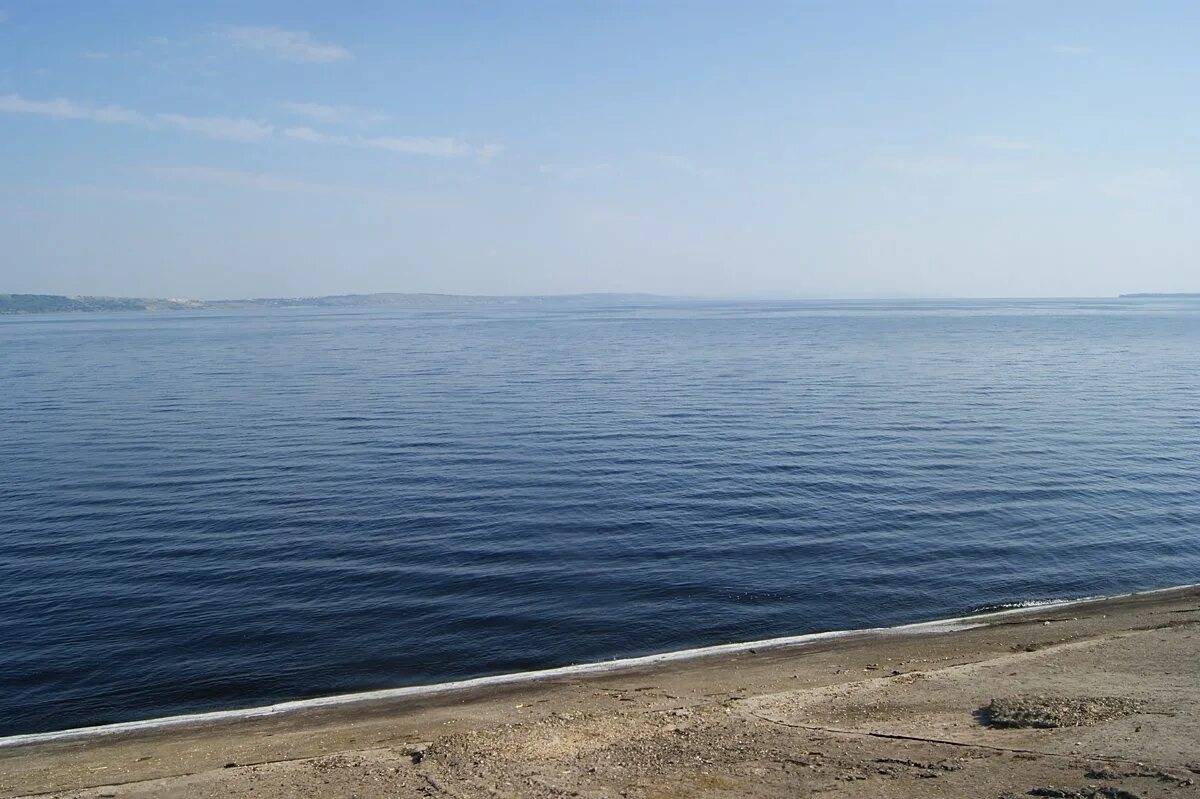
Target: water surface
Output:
[(211, 510)]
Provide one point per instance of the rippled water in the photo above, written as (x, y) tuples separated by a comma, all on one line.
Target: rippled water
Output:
[(202, 511)]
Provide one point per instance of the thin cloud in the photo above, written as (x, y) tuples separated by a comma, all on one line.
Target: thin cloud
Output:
[(314, 136), (488, 151), (235, 178), (439, 147), (576, 171), (220, 127), (918, 165), (1144, 182), (333, 114), (321, 113), (3, 17), (1000, 143), (245, 130), (212, 127), (247, 180), (683, 164), (297, 46), (61, 108), (1070, 49), (117, 193)]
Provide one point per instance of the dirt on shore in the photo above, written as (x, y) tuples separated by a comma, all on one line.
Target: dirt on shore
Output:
[(1091, 700)]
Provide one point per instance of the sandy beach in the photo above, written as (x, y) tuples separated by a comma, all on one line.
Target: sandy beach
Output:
[(1092, 699)]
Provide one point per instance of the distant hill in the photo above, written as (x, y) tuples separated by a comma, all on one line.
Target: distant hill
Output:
[(1152, 295), (56, 303)]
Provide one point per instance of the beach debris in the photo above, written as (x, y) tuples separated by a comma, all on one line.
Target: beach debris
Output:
[(1090, 792), (328, 763), (1047, 712), (1151, 772), (941, 765), (417, 752)]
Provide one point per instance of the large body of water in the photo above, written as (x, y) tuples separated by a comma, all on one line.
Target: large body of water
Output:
[(203, 510)]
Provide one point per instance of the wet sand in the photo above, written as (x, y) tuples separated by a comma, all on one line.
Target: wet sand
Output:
[(1097, 699)]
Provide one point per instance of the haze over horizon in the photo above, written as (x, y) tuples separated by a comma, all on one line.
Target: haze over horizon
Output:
[(817, 149)]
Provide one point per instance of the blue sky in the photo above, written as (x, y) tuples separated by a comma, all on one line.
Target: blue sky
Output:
[(763, 149)]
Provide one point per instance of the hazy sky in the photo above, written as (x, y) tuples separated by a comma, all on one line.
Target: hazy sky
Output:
[(225, 149)]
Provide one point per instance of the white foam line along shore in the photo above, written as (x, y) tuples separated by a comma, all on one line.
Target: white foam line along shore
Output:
[(936, 626)]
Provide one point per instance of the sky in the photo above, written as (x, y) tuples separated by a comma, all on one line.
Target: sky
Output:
[(760, 149)]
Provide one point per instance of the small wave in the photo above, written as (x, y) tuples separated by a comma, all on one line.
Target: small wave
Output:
[(1026, 603)]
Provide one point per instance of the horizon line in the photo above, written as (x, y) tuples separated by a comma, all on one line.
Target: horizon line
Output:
[(571, 294)]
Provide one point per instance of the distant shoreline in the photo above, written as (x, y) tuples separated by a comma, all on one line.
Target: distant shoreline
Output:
[(15, 304), (32, 304), (1182, 295)]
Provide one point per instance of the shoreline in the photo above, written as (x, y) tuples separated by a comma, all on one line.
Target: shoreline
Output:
[(933, 626), (886, 712)]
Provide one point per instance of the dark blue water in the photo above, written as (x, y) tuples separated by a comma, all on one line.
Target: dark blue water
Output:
[(203, 511)]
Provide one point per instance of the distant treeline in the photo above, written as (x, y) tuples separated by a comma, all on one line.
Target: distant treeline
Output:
[(55, 303)]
